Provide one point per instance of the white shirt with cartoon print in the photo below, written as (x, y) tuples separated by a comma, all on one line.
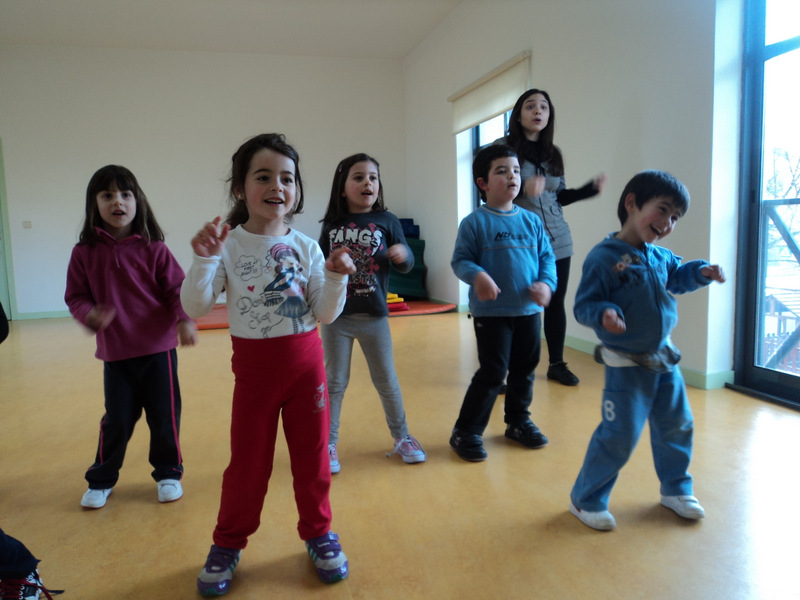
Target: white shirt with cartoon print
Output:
[(275, 285)]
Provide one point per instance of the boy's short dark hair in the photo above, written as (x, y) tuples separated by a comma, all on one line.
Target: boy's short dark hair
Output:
[(653, 184), (483, 162)]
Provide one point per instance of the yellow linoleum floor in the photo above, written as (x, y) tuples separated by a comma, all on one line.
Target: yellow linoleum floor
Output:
[(439, 530)]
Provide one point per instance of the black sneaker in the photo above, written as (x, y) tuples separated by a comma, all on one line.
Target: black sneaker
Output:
[(527, 434), (561, 373), (468, 446), (29, 588)]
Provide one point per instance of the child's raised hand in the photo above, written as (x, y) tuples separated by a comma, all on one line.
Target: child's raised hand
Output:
[(612, 322), (714, 273), (534, 186), (210, 240), (485, 287), (541, 293), (339, 261), (187, 333), (100, 316), (599, 183), (397, 253)]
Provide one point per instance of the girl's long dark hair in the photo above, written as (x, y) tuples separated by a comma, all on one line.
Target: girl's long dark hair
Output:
[(337, 205), (143, 224), (238, 214), (543, 150)]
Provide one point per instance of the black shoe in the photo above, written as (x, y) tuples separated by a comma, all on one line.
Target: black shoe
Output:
[(29, 587), (561, 373), (468, 446), (527, 434)]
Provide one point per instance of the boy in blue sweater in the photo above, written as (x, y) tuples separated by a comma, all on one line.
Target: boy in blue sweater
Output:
[(625, 295), (505, 256)]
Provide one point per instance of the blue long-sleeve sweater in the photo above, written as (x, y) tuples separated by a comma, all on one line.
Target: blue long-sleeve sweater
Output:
[(639, 285), (513, 248)]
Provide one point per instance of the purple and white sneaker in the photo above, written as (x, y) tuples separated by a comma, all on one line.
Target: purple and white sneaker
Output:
[(215, 578), (326, 552)]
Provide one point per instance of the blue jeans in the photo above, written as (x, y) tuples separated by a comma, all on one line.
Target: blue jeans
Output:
[(633, 396)]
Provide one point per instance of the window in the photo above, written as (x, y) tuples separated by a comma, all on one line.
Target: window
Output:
[(486, 133), (480, 114), (768, 318)]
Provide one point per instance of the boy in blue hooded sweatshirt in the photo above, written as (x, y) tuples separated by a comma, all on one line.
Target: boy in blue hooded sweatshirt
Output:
[(625, 295)]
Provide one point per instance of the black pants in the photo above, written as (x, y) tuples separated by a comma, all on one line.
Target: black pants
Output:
[(16, 561), (555, 315), (505, 344), (149, 384), (3, 325)]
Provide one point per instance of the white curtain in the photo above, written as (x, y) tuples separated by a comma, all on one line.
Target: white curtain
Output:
[(491, 95)]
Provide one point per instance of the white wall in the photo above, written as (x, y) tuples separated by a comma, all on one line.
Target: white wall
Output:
[(632, 82), (174, 119)]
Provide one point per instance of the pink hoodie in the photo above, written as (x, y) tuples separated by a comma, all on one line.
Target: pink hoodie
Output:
[(141, 281)]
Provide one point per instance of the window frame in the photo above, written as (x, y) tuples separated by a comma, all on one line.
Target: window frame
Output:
[(475, 133), (768, 384)]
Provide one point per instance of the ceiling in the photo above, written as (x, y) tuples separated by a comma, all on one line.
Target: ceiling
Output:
[(386, 29)]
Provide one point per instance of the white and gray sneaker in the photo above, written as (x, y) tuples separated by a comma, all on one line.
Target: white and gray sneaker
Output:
[(169, 490), (602, 520), (686, 506), (95, 498)]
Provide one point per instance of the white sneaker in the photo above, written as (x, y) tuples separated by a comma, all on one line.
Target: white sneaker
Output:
[(95, 498), (602, 520), (409, 449), (169, 490), (686, 506), (334, 458)]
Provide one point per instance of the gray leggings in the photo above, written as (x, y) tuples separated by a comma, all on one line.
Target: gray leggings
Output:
[(375, 339)]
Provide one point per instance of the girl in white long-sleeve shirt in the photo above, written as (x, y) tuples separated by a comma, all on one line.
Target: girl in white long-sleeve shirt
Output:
[(278, 285)]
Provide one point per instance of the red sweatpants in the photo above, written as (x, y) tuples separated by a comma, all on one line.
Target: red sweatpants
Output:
[(276, 376)]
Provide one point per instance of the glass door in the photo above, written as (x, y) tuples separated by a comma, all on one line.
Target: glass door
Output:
[(768, 335)]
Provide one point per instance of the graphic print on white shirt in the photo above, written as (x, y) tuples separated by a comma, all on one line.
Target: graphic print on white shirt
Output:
[(286, 289)]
